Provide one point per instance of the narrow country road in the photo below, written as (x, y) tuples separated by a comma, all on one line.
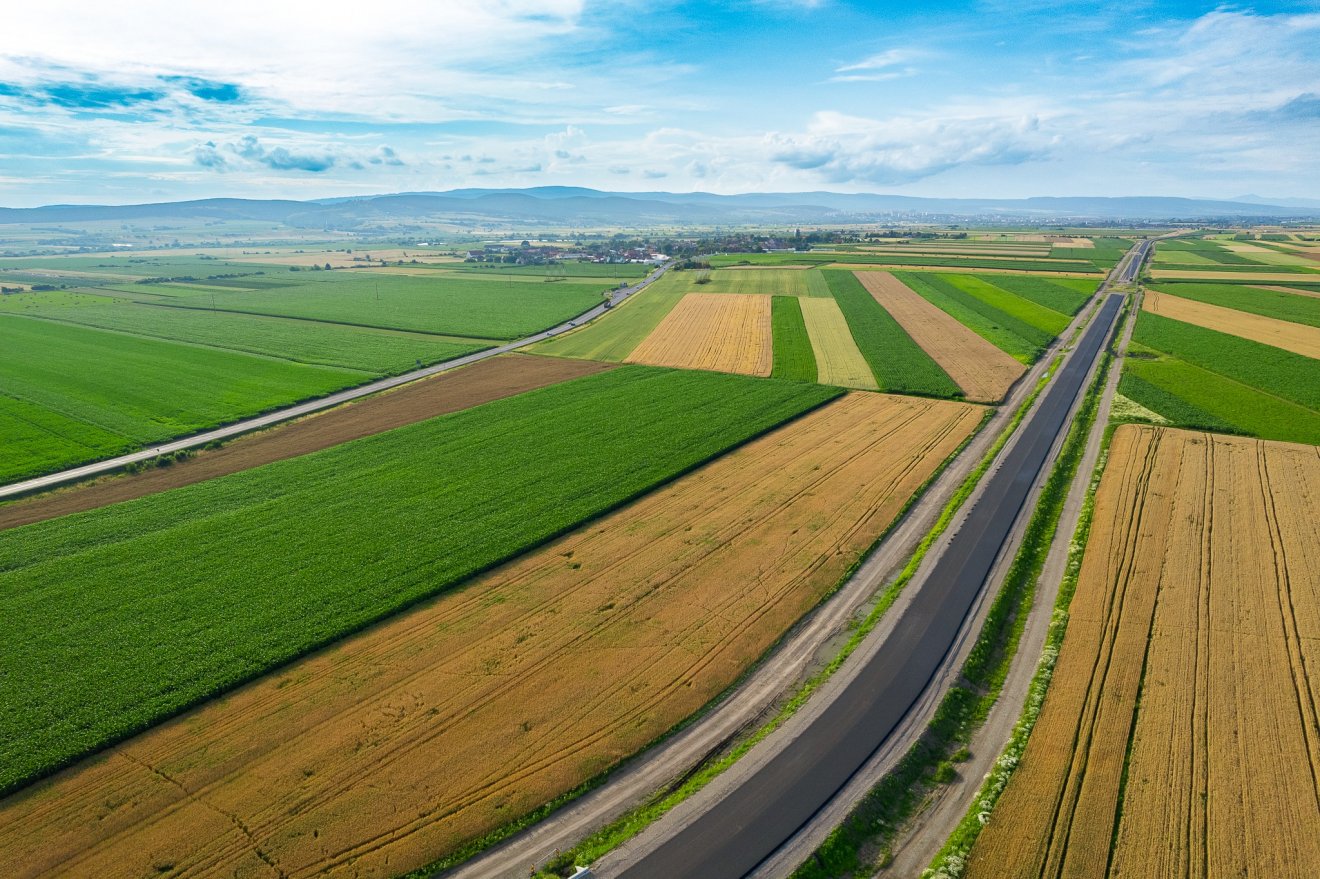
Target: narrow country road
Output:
[(108, 465), (738, 834)]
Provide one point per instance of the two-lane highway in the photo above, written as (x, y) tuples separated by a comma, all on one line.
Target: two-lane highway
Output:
[(739, 832)]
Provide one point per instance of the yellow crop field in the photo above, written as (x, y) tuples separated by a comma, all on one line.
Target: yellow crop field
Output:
[(983, 371), (724, 332), (838, 360), (404, 742), (1298, 338), (1180, 736)]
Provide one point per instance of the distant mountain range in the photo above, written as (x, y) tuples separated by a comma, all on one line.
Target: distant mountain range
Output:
[(568, 205)]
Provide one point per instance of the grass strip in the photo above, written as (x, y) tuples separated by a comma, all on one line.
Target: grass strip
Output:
[(793, 357), (863, 840)]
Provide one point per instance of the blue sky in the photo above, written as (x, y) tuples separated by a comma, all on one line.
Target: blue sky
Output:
[(158, 100)]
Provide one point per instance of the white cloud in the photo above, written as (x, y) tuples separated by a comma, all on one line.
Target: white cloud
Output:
[(397, 59), (852, 150)]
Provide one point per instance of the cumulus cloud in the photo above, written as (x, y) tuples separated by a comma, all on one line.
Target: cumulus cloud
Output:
[(849, 149)]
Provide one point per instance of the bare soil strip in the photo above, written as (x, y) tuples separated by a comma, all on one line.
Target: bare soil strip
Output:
[(1295, 337), (838, 359), (481, 382), (381, 754), (724, 332), (983, 371), (1190, 661)]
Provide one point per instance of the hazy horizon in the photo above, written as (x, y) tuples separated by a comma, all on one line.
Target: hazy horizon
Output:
[(160, 102)]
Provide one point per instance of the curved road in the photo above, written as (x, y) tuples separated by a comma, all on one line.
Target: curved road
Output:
[(743, 830), (51, 480)]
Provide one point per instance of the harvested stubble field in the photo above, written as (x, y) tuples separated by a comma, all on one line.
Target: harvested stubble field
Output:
[(614, 336), (398, 745), (983, 371), (838, 360), (1298, 338), (482, 382), (724, 332), (1180, 736)]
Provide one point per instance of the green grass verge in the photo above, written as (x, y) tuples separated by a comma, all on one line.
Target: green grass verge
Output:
[(1010, 334), (133, 612), (612, 337), (898, 363), (876, 820), (951, 859), (793, 356)]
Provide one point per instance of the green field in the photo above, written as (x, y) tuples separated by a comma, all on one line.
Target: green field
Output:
[(132, 612), (764, 282), (139, 389), (1268, 303), (793, 355), (1029, 312), (821, 258), (613, 336), (446, 305), (898, 363), (371, 351), (1197, 377), (1064, 295), (1005, 331)]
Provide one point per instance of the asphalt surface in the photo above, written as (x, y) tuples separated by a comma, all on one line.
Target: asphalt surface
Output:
[(745, 828), (109, 465)]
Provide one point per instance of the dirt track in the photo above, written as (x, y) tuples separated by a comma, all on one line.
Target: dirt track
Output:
[(448, 392), (372, 758)]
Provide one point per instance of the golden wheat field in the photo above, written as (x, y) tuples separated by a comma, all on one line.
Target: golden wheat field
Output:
[(1295, 337), (838, 360), (724, 332), (983, 371), (1179, 736), (405, 741)]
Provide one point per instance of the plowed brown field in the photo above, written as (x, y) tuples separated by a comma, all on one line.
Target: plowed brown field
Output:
[(377, 756), (463, 388), (979, 368), (725, 332), (1192, 656), (1298, 338)]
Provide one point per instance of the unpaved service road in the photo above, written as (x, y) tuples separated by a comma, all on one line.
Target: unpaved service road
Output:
[(399, 744), (447, 392)]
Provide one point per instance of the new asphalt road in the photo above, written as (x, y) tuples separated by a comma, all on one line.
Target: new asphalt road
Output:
[(739, 832)]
